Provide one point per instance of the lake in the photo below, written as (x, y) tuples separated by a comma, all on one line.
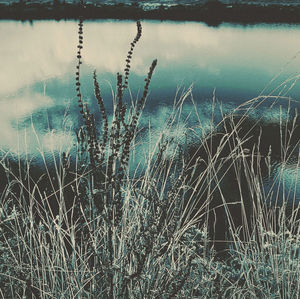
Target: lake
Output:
[(231, 63)]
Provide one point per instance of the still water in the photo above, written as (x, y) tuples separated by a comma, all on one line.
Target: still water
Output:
[(38, 104)]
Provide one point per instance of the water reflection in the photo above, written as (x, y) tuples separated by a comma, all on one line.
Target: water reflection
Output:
[(38, 63)]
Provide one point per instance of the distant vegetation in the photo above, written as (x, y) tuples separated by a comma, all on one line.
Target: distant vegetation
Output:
[(212, 12), (194, 222)]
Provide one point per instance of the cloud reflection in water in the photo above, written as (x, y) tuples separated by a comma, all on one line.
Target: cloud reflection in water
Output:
[(38, 63)]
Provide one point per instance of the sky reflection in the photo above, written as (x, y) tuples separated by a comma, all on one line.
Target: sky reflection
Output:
[(38, 63)]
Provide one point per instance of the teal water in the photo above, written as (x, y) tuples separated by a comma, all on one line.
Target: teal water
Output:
[(230, 63), (38, 66)]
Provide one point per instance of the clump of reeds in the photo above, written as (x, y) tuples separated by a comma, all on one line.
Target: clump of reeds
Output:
[(135, 223)]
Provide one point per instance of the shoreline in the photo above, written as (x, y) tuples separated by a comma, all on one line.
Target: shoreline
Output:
[(212, 13)]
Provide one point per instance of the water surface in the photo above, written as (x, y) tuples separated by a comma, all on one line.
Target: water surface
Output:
[(232, 64), (38, 65)]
